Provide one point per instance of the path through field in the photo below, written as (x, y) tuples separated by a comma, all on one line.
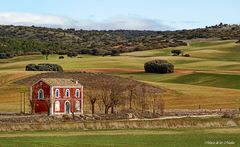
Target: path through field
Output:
[(135, 70)]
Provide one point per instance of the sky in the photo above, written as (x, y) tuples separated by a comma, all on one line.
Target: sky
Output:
[(120, 14)]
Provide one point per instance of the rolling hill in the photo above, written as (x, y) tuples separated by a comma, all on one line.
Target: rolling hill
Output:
[(209, 77)]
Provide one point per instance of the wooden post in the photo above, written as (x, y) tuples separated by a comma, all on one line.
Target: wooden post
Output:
[(20, 102), (24, 102)]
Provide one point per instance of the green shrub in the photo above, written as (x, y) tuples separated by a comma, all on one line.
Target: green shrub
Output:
[(43, 67), (158, 66), (5, 55), (186, 55), (31, 67), (84, 51), (72, 54), (176, 52), (115, 52), (61, 57)]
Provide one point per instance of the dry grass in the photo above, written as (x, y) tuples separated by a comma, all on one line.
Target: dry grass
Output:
[(177, 96), (10, 92), (124, 124), (182, 96)]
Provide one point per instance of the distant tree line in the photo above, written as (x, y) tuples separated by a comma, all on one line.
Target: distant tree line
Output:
[(20, 40)]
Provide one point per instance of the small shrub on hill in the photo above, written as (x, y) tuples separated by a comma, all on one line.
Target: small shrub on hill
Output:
[(72, 54), (159, 66), (115, 52), (186, 55), (176, 52), (61, 57)]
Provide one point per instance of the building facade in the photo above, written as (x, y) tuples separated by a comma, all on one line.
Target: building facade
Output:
[(57, 96)]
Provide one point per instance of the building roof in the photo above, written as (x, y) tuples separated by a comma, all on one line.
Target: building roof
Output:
[(61, 82)]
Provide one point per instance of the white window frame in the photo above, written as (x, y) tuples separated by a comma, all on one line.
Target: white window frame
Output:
[(79, 93), (68, 91), (77, 105), (57, 106), (42, 94), (57, 90)]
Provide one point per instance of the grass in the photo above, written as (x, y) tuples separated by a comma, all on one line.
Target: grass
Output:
[(145, 137), (208, 79), (216, 56), (187, 90)]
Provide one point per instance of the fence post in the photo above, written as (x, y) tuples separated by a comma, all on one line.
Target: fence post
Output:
[(20, 102), (24, 102)]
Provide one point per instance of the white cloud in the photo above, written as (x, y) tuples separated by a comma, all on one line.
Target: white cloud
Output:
[(127, 23), (15, 18)]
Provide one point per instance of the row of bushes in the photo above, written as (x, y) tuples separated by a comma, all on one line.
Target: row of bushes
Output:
[(5, 55), (96, 52), (43, 67)]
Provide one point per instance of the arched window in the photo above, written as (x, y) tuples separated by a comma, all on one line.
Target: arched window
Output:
[(57, 94), (77, 93), (67, 93), (40, 94), (57, 106), (77, 106), (67, 107)]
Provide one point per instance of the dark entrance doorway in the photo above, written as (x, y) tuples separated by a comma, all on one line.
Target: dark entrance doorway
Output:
[(67, 108)]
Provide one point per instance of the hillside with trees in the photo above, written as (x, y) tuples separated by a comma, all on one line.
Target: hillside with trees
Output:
[(220, 31), (21, 40)]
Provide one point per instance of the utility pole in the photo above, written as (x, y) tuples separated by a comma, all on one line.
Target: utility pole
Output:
[(24, 102), (21, 102)]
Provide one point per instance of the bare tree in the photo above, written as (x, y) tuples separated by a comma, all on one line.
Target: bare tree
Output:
[(142, 94), (93, 95), (154, 106), (112, 91), (158, 104), (46, 53), (48, 103), (131, 88), (32, 106), (105, 97), (161, 105)]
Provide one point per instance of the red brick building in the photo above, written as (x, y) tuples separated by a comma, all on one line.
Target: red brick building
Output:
[(58, 96)]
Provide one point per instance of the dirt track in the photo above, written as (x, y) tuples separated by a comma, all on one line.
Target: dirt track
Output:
[(109, 70), (135, 70)]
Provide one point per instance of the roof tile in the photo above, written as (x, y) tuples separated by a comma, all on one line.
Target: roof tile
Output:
[(61, 82)]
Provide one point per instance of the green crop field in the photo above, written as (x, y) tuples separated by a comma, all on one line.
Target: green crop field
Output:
[(211, 73), (145, 137)]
